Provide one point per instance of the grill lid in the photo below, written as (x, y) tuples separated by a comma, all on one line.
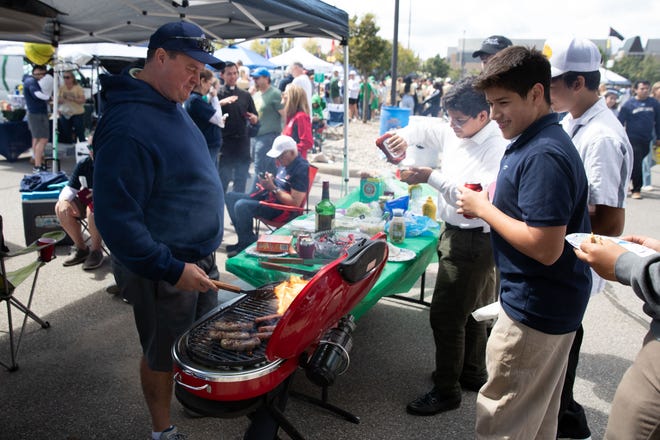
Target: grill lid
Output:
[(326, 298)]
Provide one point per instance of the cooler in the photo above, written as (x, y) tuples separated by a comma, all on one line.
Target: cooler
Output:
[(39, 217)]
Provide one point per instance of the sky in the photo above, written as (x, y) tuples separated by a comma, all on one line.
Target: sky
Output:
[(436, 24)]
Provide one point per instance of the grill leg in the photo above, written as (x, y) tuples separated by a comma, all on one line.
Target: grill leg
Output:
[(266, 421), (323, 403)]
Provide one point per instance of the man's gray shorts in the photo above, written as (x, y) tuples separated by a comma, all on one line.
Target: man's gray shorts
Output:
[(38, 124), (162, 312)]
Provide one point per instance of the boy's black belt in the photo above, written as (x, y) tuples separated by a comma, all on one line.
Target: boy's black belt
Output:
[(458, 228)]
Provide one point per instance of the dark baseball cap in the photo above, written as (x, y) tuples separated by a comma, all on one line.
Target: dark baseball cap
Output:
[(187, 38), (492, 45)]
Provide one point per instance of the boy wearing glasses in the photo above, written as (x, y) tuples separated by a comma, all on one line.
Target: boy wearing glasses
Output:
[(541, 197), (472, 147)]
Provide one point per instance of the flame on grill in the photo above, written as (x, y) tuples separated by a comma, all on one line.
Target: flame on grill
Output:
[(287, 291)]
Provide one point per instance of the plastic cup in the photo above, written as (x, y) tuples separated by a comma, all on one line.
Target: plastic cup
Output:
[(306, 248), (48, 251)]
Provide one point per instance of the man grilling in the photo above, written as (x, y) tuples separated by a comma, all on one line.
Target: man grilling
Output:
[(159, 202)]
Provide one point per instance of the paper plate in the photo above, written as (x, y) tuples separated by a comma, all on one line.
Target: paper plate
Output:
[(404, 255), (577, 238), (252, 251)]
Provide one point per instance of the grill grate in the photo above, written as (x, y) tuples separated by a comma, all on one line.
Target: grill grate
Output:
[(208, 352)]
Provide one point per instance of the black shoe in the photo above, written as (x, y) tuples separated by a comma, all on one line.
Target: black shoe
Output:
[(232, 247), (472, 385), (78, 257), (433, 403)]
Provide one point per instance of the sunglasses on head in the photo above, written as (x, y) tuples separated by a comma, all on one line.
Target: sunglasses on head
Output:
[(202, 43)]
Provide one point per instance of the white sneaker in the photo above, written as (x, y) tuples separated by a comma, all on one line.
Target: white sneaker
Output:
[(647, 188)]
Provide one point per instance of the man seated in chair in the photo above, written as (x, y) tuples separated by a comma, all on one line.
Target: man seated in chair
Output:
[(75, 203), (289, 187)]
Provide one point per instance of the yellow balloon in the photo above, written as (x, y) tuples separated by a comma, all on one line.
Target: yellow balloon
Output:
[(39, 53)]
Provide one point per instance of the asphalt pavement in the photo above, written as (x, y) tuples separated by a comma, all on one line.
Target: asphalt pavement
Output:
[(79, 379)]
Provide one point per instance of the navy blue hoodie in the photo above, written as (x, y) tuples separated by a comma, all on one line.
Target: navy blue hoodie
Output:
[(158, 200)]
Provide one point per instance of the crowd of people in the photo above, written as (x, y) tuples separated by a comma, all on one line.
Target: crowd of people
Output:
[(560, 153)]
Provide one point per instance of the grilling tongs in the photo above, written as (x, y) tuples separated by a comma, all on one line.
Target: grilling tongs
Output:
[(232, 287)]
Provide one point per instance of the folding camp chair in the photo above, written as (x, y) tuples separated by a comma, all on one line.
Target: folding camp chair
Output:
[(8, 283), (335, 120), (288, 212)]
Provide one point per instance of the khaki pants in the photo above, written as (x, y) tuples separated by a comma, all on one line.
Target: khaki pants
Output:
[(526, 371), (635, 411)]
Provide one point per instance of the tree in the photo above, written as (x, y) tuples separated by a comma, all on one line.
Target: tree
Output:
[(312, 46), (259, 46), (436, 67), (635, 68), (365, 46), (280, 45)]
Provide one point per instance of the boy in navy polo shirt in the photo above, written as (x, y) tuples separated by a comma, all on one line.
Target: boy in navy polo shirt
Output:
[(541, 197)]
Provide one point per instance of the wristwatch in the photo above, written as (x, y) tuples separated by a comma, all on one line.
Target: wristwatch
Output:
[(276, 190)]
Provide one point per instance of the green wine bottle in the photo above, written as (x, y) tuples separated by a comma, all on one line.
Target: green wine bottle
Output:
[(325, 210)]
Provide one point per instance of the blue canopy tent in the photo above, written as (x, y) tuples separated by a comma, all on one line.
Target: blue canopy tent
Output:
[(248, 57), (132, 22)]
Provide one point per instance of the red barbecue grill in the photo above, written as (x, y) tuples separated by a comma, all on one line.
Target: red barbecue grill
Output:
[(313, 333)]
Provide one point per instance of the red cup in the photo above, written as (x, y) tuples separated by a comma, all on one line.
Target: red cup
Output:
[(474, 187), (47, 252)]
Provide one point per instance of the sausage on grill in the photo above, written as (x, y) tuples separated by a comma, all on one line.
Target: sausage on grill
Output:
[(263, 335), (220, 334), (232, 326), (266, 318), (266, 328), (240, 344)]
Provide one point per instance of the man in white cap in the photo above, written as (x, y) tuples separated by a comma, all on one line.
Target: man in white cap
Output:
[(607, 156), (288, 187), (152, 167), (335, 86)]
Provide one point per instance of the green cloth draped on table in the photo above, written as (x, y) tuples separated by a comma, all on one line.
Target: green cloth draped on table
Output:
[(397, 277)]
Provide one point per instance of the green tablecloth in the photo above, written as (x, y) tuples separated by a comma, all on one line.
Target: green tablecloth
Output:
[(395, 278)]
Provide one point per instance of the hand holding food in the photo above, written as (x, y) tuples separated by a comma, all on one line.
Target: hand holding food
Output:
[(414, 175), (601, 255)]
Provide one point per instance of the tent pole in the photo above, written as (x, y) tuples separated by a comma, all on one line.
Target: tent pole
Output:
[(345, 173), (56, 93)]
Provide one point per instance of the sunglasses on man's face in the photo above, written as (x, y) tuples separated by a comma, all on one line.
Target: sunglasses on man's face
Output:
[(202, 43)]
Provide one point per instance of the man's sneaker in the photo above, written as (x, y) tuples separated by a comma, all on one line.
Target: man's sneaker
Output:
[(172, 433), (647, 188), (36, 170), (79, 257), (94, 260)]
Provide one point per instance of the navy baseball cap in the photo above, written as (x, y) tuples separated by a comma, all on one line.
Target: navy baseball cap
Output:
[(260, 71), (187, 38), (492, 45)]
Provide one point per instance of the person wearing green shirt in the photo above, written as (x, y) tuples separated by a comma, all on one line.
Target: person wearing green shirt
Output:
[(268, 101), (367, 95)]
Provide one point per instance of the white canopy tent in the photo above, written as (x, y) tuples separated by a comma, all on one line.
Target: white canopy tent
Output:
[(299, 54), (609, 77)]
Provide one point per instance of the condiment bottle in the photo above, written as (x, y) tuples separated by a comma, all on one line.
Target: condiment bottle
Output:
[(397, 230), (382, 143), (325, 210), (429, 209)]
